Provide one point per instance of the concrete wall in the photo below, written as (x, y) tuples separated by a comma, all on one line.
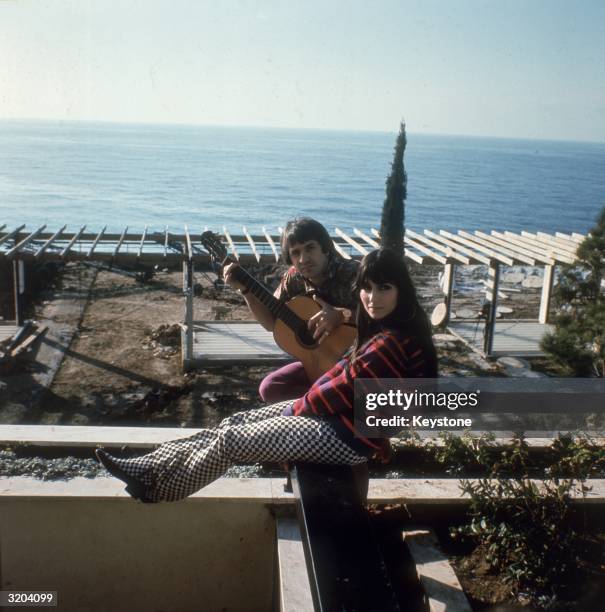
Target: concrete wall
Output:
[(117, 554)]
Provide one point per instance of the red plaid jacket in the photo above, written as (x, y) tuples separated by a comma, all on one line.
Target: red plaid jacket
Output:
[(388, 354)]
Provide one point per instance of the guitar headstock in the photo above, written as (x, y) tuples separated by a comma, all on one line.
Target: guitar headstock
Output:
[(212, 243)]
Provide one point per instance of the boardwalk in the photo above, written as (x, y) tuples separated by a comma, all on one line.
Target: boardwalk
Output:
[(514, 338), (233, 342)]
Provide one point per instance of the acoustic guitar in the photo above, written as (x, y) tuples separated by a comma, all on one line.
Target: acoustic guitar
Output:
[(291, 333)]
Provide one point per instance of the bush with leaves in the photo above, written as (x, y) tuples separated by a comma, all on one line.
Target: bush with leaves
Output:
[(524, 526), (465, 453), (578, 340)]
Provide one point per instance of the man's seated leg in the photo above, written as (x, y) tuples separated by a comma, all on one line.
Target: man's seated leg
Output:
[(289, 382)]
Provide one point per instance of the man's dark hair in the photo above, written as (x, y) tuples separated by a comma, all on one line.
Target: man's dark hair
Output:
[(301, 230)]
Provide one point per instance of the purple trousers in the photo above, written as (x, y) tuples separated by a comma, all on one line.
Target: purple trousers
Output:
[(289, 382)]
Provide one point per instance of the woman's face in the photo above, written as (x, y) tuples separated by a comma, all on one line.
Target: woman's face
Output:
[(379, 300)]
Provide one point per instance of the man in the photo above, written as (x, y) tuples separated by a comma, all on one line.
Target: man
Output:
[(316, 270)]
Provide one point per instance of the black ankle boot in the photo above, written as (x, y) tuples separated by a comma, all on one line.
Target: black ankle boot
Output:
[(134, 486)]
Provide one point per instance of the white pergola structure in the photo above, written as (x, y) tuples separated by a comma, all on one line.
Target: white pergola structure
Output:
[(493, 250), (442, 248)]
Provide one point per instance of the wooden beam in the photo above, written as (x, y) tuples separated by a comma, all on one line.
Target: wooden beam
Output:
[(571, 247), (49, 242), (516, 244), (188, 244), (115, 251), (547, 284), (481, 259), (409, 254), (449, 271), (556, 255), (16, 291), (473, 242), (230, 242), (570, 244), (352, 242), (11, 235), (28, 341), (94, 244), (25, 242), (577, 238), (72, 241), (365, 237), (449, 252), (142, 243), (340, 250), (567, 251), (542, 252), (251, 243), (271, 244), (506, 248), (419, 247)]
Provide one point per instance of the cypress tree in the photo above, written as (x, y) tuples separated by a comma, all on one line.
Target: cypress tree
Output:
[(578, 340), (392, 227)]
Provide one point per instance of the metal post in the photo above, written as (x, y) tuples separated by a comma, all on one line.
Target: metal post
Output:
[(188, 291), (549, 275), (18, 287), (492, 295), (449, 270)]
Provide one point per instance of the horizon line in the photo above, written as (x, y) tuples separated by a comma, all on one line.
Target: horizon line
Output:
[(290, 128)]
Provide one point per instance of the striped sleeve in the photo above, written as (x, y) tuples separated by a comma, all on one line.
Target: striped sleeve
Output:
[(333, 393)]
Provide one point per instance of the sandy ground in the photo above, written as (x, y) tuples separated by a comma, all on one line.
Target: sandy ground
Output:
[(122, 362)]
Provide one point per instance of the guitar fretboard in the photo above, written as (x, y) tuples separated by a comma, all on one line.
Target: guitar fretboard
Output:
[(276, 307)]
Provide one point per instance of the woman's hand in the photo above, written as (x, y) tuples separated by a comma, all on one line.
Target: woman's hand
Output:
[(325, 321), (228, 276)]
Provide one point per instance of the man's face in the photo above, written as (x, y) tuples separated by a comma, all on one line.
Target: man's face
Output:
[(309, 259)]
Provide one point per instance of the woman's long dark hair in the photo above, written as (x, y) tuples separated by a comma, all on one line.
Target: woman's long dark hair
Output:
[(386, 266)]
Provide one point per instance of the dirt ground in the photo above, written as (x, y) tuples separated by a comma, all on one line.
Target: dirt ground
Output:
[(123, 364)]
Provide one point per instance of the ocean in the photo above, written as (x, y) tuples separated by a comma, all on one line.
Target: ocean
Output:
[(131, 175)]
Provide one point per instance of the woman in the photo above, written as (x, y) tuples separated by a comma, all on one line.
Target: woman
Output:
[(394, 340)]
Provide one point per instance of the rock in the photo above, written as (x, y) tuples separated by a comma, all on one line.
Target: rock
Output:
[(532, 282), (466, 313), (479, 361), (445, 338), (512, 362), (516, 367), (513, 278), (504, 309)]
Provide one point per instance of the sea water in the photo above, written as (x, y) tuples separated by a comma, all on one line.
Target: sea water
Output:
[(118, 175)]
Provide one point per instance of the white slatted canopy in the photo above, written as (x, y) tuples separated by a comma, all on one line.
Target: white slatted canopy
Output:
[(430, 247)]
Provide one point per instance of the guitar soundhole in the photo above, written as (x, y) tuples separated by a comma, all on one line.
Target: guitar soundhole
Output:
[(305, 337)]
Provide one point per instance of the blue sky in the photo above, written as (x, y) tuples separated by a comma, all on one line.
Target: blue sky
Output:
[(519, 68)]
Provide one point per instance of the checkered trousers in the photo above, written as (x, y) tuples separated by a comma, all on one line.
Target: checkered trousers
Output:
[(179, 468)]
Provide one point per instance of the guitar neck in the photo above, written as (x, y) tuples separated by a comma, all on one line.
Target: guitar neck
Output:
[(276, 307)]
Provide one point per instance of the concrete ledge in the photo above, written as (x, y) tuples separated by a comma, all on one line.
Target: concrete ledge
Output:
[(437, 576), (86, 436), (294, 588), (412, 491), (144, 437)]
